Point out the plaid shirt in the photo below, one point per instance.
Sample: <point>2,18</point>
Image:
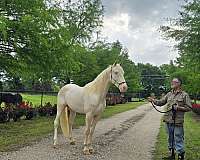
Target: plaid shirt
<point>180,98</point>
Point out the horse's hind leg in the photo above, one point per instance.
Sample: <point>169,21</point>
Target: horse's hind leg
<point>60,108</point>
<point>88,120</point>
<point>92,128</point>
<point>72,116</point>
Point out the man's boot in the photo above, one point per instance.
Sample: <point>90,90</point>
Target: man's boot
<point>169,157</point>
<point>181,156</point>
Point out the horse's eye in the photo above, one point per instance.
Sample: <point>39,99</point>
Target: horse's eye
<point>116,72</point>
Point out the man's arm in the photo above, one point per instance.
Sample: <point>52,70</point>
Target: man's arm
<point>187,107</point>
<point>160,102</point>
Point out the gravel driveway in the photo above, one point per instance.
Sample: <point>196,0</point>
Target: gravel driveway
<point>130,135</point>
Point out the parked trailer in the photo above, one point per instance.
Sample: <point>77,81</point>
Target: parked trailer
<point>115,98</point>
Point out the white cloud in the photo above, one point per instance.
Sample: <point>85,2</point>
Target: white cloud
<point>117,23</point>
<point>136,23</point>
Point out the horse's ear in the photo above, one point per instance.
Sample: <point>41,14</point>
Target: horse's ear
<point>114,64</point>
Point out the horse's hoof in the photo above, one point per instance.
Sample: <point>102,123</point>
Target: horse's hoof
<point>55,146</point>
<point>86,152</point>
<point>91,150</point>
<point>72,143</point>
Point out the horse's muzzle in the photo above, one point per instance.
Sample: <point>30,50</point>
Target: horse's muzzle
<point>123,87</point>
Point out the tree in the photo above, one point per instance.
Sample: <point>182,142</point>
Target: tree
<point>38,38</point>
<point>89,68</point>
<point>109,53</point>
<point>152,78</point>
<point>185,31</point>
<point>189,79</point>
<point>169,70</point>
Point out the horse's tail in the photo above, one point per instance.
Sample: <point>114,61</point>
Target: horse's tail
<point>64,122</point>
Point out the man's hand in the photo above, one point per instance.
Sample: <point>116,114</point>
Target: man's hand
<point>150,99</point>
<point>175,107</point>
<point>178,108</point>
<point>182,109</point>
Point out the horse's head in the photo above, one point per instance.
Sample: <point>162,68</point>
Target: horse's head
<point>117,77</point>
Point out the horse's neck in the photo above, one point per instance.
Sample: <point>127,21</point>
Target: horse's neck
<point>101,84</point>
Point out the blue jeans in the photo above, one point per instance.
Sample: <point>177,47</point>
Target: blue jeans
<point>178,137</point>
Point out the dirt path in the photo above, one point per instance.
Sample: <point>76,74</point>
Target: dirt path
<point>128,135</point>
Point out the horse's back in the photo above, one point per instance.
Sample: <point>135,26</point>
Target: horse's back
<point>72,96</point>
<point>68,88</point>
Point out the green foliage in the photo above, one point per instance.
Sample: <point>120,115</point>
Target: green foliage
<point>45,43</point>
<point>107,54</point>
<point>185,31</point>
<point>88,68</point>
<point>173,71</point>
<point>190,79</point>
<point>152,77</point>
<point>38,37</point>
<point>132,76</point>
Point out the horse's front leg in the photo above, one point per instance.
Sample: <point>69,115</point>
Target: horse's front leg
<point>92,128</point>
<point>88,121</point>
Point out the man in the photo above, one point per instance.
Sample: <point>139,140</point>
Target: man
<point>181,102</point>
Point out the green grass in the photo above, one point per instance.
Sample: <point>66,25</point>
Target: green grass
<point>192,139</point>
<point>197,101</point>
<point>23,132</point>
<point>16,134</point>
<point>36,99</point>
<point>112,110</point>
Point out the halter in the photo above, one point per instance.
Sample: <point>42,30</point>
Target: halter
<point>118,83</point>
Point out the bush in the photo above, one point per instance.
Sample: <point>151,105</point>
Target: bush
<point>196,108</point>
<point>4,116</point>
<point>26,110</point>
<point>47,110</point>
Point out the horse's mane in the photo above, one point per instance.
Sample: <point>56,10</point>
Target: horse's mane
<point>99,81</point>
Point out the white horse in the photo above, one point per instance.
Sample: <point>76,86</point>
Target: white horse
<point>89,100</point>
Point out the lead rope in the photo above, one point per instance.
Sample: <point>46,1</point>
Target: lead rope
<point>155,107</point>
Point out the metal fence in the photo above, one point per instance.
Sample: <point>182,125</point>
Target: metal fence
<point>28,92</point>
<point>112,98</point>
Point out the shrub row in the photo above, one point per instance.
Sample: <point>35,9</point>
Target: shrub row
<point>24,110</point>
<point>196,108</point>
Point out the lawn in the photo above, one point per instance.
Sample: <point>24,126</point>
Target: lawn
<point>36,99</point>
<point>16,134</point>
<point>192,139</point>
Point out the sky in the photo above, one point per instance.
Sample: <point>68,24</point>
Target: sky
<point>135,24</point>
